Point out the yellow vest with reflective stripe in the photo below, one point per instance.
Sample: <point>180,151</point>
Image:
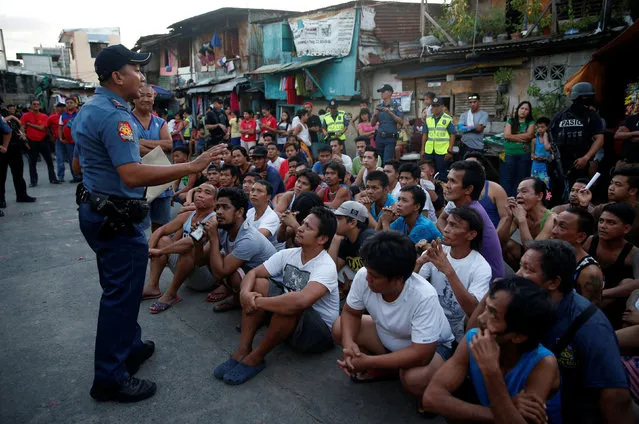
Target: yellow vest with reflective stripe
<point>438,136</point>
<point>335,125</point>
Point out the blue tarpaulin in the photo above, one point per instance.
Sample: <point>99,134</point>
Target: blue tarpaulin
<point>161,92</point>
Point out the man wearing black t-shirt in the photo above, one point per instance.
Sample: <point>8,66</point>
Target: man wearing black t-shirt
<point>217,123</point>
<point>578,132</point>
<point>628,132</point>
<point>352,231</point>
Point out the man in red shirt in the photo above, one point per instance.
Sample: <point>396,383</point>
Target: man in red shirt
<point>268,123</point>
<point>248,127</point>
<point>35,124</point>
<point>66,140</point>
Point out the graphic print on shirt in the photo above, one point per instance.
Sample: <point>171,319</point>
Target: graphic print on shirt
<point>452,309</point>
<point>294,278</point>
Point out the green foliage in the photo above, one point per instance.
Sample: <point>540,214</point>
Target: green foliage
<point>549,103</point>
<point>494,23</point>
<point>503,75</point>
<point>457,21</point>
<point>587,23</point>
<point>529,8</point>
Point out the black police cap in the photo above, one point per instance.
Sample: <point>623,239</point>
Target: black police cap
<point>115,57</point>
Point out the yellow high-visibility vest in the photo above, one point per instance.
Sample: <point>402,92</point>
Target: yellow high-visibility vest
<point>438,136</point>
<point>335,125</point>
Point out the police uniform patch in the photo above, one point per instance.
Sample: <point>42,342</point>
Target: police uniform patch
<point>125,131</point>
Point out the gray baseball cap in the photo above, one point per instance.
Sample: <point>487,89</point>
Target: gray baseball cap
<point>353,210</point>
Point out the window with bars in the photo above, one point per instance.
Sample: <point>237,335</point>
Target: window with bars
<point>540,73</point>
<point>557,72</point>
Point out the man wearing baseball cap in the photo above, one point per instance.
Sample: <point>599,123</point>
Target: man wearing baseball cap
<point>111,207</point>
<point>389,115</point>
<point>438,137</point>
<point>352,231</point>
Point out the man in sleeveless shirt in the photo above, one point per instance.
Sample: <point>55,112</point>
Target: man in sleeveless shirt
<point>618,259</point>
<point>175,238</point>
<point>517,316</point>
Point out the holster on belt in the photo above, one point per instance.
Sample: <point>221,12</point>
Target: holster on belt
<point>120,213</point>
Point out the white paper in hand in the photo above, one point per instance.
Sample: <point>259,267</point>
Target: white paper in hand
<point>156,157</point>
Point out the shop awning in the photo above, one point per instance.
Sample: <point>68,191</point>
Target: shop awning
<point>290,67</point>
<point>455,68</point>
<point>209,86</point>
<point>161,93</point>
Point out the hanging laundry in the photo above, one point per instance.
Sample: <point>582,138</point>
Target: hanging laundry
<point>230,66</point>
<point>300,87</point>
<point>308,83</point>
<point>235,101</point>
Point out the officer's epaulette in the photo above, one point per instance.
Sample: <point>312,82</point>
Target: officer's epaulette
<point>119,105</point>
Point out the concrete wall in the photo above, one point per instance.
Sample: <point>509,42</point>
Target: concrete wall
<point>82,62</point>
<point>40,64</point>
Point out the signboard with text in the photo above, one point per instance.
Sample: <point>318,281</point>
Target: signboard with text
<point>324,34</point>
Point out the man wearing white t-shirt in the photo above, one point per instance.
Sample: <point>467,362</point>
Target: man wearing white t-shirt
<point>405,330</point>
<point>337,147</point>
<point>391,169</point>
<point>261,216</point>
<point>273,156</point>
<point>459,273</point>
<point>409,174</point>
<point>297,289</point>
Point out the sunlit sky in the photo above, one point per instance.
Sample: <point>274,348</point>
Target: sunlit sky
<point>40,22</point>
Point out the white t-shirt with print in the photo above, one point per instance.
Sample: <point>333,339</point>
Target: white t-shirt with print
<point>268,221</point>
<point>286,266</point>
<point>414,317</point>
<point>473,272</point>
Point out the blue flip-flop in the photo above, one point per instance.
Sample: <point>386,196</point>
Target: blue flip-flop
<point>224,367</point>
<point>242,373</point>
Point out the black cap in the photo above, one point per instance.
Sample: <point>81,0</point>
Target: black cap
<point>437,102</point>
<point>259,152</point>
<point>115,57</point>
<point>332,104</point>
<point>385,87</point>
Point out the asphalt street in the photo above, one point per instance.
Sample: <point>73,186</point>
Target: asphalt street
<point>49,306</point>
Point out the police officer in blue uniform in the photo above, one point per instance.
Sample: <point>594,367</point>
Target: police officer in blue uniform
<point>389,115</point>
<point>111,210</point>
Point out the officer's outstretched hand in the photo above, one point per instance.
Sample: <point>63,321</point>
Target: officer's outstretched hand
<point>204,160</point>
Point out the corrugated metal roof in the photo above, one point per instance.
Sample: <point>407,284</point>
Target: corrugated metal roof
<point>227,86</point>
<point>455,68</point>
<point>287,67</point>
<point>394,23</point>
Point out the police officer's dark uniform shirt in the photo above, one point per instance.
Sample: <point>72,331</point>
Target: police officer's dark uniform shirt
<point>630,149</point>
<point>387,124</point>
<point>106,137</point>
<point>573,130</point>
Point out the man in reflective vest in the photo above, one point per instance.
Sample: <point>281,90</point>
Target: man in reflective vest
<point>334,123</point>
<point>439,137</point>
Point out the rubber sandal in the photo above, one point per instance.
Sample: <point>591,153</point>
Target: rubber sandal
<point>242,373</point>
<point>152,296</point>
<point>224,367</point>
<point>218,295</point>
<point>158,307</point>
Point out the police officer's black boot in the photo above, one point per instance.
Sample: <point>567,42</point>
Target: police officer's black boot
<point>131,390</point>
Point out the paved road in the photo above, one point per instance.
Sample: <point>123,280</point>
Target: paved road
<point>49,304</point>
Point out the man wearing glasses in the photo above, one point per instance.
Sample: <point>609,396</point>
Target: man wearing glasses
<point>472,124</point>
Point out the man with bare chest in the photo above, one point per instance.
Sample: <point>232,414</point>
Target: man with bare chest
<point>618,259</point>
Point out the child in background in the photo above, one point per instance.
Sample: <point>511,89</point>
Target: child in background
<point>542,153</point>
<point>234,128</point>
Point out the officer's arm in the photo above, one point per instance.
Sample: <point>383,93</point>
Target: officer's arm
<point>135,174</point>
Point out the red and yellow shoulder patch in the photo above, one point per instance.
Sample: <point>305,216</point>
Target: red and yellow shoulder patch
<point>125,131</point>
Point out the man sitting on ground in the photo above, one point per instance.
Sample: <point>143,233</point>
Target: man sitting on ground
<point>261,216</point>
<point>409,174</point>
<point>391,169</point>
<point>324,157</point>
<point>273,156</point>
<point>352,231</point>
<point>404,330</point>
<point>297,288</point>
<point>369,160</point>
<point>457,270</point>
<point>176,238</point>
<point>406,216</point>
<point>337,148</point>
<point>466,180</point>
<point>266,172</point>
<point>336,192</point>
<point>573,199</point>
<point>574,226</point>
<point>507,343</point>
<point>229,176</point>
<point>360,145</point>
<point>249,180</point>
<point>306,181</point>
<point>618,258</point>
<point>376,196</point>
<point>235,247</point>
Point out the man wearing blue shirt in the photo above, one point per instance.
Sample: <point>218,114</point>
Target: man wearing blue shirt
<point>376,197</point>
<point>266,172</point>
<point>410,220</point>
<point>389,115</point>
<point>112,206</point>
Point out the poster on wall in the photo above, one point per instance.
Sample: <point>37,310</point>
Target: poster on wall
<point>324,34</point>
<point>405,98</point>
